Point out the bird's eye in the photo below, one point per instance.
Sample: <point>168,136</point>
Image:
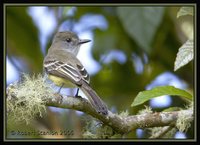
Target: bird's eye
<point>68,40</point>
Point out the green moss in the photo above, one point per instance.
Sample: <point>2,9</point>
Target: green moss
<point>26,98</point>
<point>92,130</point>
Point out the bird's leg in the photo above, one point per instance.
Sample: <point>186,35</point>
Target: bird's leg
<point>77,92</point>
<point>59,97</point>
<point>60,88</point>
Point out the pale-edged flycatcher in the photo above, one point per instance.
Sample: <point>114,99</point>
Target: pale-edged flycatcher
<point>65,70</point>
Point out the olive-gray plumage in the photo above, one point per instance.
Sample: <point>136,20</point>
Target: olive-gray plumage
<point>64,69</point>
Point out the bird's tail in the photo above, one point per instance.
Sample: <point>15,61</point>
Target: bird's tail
<point>94,99</point>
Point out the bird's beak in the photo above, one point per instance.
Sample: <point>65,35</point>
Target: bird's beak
<point>81,41</point>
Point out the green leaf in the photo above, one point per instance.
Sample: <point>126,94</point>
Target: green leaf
<point>170,109</point>
<point>113,38</point>
<point>185,54</point>
<point>22,37</point>
<point>185,11</point>
<point>141,23</point>
<point>159,91</point>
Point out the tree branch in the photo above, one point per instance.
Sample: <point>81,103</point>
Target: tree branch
<point>161,132</point>
<point>31,95</point>
<point>118,123</point>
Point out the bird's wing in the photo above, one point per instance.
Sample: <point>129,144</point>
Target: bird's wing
<point>66,70</point>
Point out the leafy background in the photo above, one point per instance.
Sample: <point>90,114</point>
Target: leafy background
<point>147,39</point>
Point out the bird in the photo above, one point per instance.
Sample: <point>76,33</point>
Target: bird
<point>64,69</point>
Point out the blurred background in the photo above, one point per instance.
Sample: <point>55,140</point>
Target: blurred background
<point>132,49</point>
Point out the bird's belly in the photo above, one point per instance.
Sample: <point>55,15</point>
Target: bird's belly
<point>60,81</point>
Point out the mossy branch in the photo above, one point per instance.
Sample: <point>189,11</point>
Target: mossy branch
<point>118,123</point>
<point>33,94</point>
